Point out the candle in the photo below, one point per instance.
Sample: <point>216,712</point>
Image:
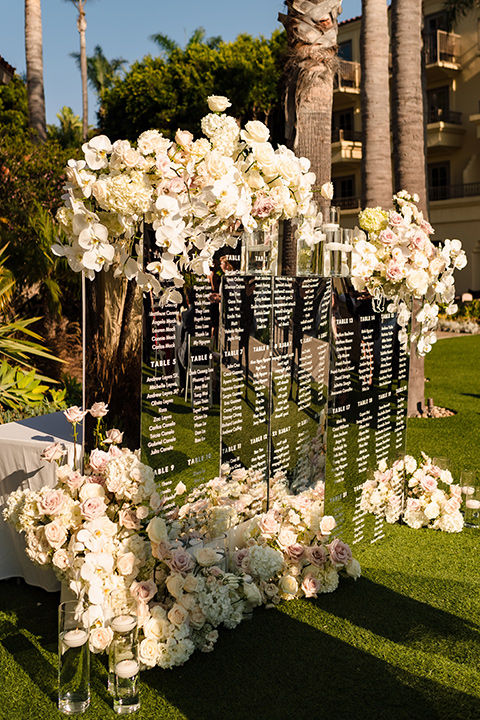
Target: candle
<point>472,504</point>
<point>123,623</point>
<point>75,638</point>
<point>127,668</point>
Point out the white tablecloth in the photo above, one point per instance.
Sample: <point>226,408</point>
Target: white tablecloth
<point>21,444</point>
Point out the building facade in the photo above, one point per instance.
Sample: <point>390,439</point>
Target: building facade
<point>452,114</point>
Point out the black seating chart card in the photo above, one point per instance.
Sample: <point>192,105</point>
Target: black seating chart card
<point>367,406</point>
<point>181,388</point>
<point>299,379</point>
<point>245,342</point>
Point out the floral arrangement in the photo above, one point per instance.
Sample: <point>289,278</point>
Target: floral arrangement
<point>399,262</point>
<point>432,499</point>
<point>197,194</point>
<point>105,529</point>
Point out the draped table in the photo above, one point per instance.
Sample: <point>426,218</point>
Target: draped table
<point>21,444</point>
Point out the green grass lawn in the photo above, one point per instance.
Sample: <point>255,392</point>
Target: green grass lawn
<point>402,642</point>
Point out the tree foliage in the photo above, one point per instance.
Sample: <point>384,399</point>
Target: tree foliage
<point>170,91</point>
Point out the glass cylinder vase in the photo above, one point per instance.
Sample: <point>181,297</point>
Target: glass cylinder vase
<point>73,659</point>
<point>260,251</point>
<point>123,659</point>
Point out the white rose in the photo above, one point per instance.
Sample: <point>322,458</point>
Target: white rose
<point>148,652</point>
<point>177,615</point>
<point>353,568</point>
<point>100,639</point>
<point>175,584</point>
<point>218,103</point>
<point>61,559</point>
<point>157,530</point>
<point>255,132</point>
<point>55,534</point>
<point>207,556</point>
<point>252,593</point>
<point>266,158</point>
<point>126,564</point>
<point>91,490</point>
<point>288,585</point>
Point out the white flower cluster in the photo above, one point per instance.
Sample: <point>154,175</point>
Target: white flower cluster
<point>84,528</point>
<point>398,261</point>
<point>383,496</point>
<point>428,504</point>
<point>102,531</point>
<point>287,547</point>
<point>197,194</point>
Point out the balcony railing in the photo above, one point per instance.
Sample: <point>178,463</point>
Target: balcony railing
<point>339,135</point>
<point>447,116</point>
<point>347,76</point>
<point>347,203</point>
<point>446,192</point>
<point>442,47</point>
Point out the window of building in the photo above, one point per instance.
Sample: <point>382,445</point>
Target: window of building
<point>344,187</point>
<point>342,125</point>
<point>439,181</point>
<point>435,21</point>
<point>345,50</point>
<point>438,104</point>
<point>344,192</point>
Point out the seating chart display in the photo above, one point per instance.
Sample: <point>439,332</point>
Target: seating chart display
<point>367,406</point>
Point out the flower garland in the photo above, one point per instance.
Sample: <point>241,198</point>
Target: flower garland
<point>399,262</point>
<point>432,498</point>
<point>198,195</point>
<point>104,530</point>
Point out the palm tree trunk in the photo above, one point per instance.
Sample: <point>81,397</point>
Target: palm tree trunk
<point>408,125</point>
<point>82,26</point>
<point>312,48</point>
<point>375,104</point>
<point>34,59</point>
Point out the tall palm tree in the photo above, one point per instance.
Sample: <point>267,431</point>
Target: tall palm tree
<point>100,71</point>
<point>408,126</point>
<point>311,56</point>
<point>375,105</point>
<point>34,59</point>
<point>82,26</point>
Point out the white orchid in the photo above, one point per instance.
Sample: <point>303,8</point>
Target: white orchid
<point>96,151</point>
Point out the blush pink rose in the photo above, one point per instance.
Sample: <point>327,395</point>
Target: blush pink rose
<point>263,207</point>
<point>453,504</point>
<point>296,552</point>
<point>240,556</point>
<point>413,504</point>
<point>317,555</point>
<point>128,518</point>
<point>93,508</point>
<point>180,561</point>
<point>53,452</point>
<point>98,410</point>
<point>388,237</point>
<point>74,414</point>
<point>268,524</point>
<point>397,220</point>
<point>144,590</point>
<point>428,483</point>
<point>52,503</point>
<point>311,586</point>
<point>340,553</point>
<point>98,460</point>
<point>327,524</point>
<point>74,481</point>
<point>394,271</point>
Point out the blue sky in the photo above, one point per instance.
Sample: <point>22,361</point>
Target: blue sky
<point>122,28</point>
